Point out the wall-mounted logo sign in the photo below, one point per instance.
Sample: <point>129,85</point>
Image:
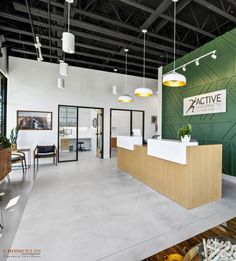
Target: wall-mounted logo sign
<point>212,102</point>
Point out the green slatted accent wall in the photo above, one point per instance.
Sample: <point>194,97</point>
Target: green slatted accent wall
<point>211,75</point>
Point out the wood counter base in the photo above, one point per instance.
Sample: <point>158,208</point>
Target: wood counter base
<point>194,184</point>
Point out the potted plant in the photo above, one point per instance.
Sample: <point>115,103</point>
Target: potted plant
<point>185,133</point>
<point>4,142</point>
<point>13,138</point>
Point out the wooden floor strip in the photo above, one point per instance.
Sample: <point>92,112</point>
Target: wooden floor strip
<point>227,229</point>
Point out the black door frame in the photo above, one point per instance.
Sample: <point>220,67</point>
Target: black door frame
<point>131,121</point>
<point>77,123</point>
<point>4,79</point>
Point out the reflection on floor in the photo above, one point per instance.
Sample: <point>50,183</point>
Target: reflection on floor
<point>89,210</point>
<point>114,152</point>
<point>71,155</point>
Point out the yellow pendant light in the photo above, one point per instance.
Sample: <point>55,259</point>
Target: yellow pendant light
<point>143,91</point>
<point>174,79</point>
<point>125,97</point>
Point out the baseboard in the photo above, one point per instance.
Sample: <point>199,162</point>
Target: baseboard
<point>229,178</point>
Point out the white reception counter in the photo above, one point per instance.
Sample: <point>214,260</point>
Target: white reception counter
<point>128,142</point>
<point>172,150</point>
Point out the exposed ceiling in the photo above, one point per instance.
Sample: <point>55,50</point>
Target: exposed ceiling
<point>103,28</point>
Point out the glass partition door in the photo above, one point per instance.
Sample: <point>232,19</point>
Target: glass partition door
<point>68,133</point>
<point>3,103</point>
<point>125,122</point>
<point>99,134</point>
<point>138,121</point>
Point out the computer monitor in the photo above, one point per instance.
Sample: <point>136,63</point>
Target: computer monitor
<point>137,132</point>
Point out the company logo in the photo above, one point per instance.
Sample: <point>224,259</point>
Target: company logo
<point>22,253</point>
<point>211,99</point>
<point>192,105</point>
<point>213,102</point>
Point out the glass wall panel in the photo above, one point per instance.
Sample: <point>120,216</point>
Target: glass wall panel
<point>68,133</point>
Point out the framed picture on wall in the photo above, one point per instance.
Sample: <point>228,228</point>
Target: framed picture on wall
<point>34,120</point>
<point>153,119</point>
<point>95,123</point>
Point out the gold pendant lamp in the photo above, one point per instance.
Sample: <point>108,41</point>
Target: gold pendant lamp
<point>125,97</point>
<point>143,91</point>
<point>174,79</point>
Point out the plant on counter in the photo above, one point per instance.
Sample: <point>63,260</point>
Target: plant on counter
<point>14,137</point>
<point>4,142</point>
<point>185,133</point>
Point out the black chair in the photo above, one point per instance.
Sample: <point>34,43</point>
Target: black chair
<point>45,152</point>
<point>81,148</point>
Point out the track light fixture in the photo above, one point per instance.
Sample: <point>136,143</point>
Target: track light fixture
<point>214,56</point>
<point>184,66</point>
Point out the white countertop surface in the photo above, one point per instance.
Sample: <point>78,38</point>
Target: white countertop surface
<point>172,150</point>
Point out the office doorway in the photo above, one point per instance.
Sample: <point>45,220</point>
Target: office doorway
<point>80,133</point>
<point>123,122</point>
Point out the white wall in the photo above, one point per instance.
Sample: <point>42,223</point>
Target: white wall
<point>33,86</point>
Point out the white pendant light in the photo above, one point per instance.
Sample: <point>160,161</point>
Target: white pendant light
<point>114,87</point>
<point>61,83</point>
<point>68,42</point>
<point>63,68</point>
<point>114,90</point>
<point>143,91</point>
<point>174,79</point>
<point>68,39</point>
<point>125,97</point>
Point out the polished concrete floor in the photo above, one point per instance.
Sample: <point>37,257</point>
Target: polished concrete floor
<point>71,155</point>
<point>89,210</point>
<point>17,193</point>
